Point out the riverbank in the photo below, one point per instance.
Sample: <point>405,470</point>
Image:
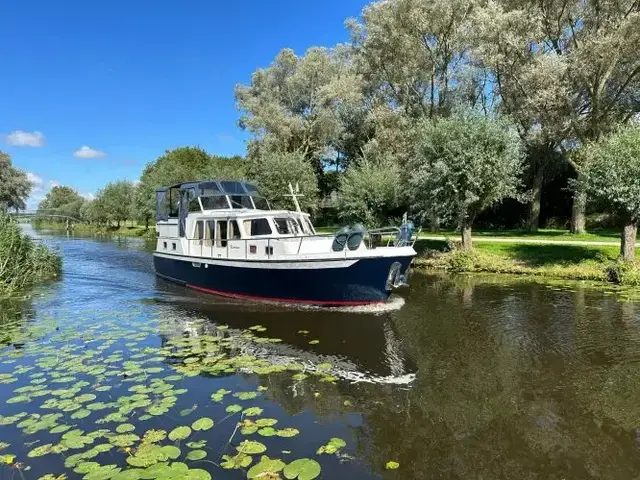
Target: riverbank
<point>23,261</point>
<point>552,260</point>
<point>100,230</point>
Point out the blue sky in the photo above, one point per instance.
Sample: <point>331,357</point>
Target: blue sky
<point>92,91</point>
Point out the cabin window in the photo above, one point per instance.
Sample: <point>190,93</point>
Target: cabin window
<point>257,226</point>
<point>214,203</point>
<point>199,230</point>
<point>221,233</point>
<point>309,226</point>
<point>286,226</point>
<point>241,201</point>
<point>174,245</point>
<point>164,244</point>
<point>261,203</point>
<point>194,205</point>
<point>234,231</point>
<point>209,232</point>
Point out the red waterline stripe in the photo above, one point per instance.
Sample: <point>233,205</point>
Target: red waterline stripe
<point>282,300</point>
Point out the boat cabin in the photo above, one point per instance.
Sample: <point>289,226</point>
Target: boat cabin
<point>230,220</point>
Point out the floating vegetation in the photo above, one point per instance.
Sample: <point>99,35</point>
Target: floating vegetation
<point>100,398</point>
<point>333,446</point>
<point>391,465</point>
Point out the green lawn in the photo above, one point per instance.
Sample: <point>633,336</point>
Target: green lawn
<point>612,236</point>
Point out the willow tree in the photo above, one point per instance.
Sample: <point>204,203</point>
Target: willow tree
<point>14,185</point>
<point>369,190</point>
<point>273,171</point>
<point>413,52</point>
<point>612,174</point>
<point>302,104</point>
<point>566,71</point>
<point>463,166</point>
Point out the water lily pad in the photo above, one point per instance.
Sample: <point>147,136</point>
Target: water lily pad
<point>202,424</point>
<point>154,436</point>
<point>302,469</point>
<point>267,432</point>
<point>196,455</point>
<point>197,474</point>
<point>40,451</point>
<point>391,465</point>
<point>245,395</point>
<point>266,422</point>
<point>233,409</point>
<point>253,411</point>
<point>266,466</point>
<point>179,433</point>
<point>251,448</point>
<point>288,432</point>
<point>124,440</point>
<point>240,460</point>
<point>333,446</point>
<point>197,445</point>
<point>125,428</point>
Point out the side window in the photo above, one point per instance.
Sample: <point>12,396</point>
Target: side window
<point>221,233</point>
<point>234,231</point>
<point>257,226</point>
<point>194,205</point>
<point>199,231</point>
<point>209,231</point>
<point>282,226</point>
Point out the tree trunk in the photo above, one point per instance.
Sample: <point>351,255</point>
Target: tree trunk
<point>579,208</point>
<point>146,223</point>
<point>466,235</point>
<point>628,241</point>
<point>534,208</point>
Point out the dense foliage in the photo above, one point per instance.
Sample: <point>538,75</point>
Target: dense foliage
<point>540,79</point>
<point>464,165</point>
<point>14,185</point>
<point>273,172</point>
<point>23,261</point>
<point>613,177</point>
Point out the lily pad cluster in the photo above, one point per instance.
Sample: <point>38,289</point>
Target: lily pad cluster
<point>89,388</point>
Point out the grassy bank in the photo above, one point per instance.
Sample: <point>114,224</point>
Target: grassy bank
<point>101,230</point>
<point>588,262</point>
<point>23,261</point>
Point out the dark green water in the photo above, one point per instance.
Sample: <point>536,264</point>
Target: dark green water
<point>462,378</point>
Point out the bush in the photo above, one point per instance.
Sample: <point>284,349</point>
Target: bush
<point>23,261</point>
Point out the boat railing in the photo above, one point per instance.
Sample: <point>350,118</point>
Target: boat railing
<point>263,248</point>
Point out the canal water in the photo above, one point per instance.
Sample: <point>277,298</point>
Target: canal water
<point>110,372</point>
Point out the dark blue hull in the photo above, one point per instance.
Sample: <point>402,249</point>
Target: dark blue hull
<point>331,283</point>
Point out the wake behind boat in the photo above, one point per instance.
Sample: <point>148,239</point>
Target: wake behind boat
<point>221,237</point>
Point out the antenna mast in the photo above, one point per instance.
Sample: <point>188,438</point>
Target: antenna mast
<point>294,195</point>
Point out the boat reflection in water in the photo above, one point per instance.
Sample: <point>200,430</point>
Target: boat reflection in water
<point>366,350</point>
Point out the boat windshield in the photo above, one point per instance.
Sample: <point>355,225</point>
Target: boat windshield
<point>287,226</point>
<point>241,201</point>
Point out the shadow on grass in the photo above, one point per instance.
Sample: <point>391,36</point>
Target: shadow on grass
<point>533,255</point>
<point>541,255</point>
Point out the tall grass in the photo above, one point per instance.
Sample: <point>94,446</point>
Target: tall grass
<point>23,261</point>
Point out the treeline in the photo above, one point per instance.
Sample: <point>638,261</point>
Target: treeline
<point>447,107</point>
<point>444,108</point>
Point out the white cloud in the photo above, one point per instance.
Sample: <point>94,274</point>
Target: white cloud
<point>35,180</point>
<point>54,183</point>
<point>88,196</point>
<point>20,138</point>
<point>88,152</point>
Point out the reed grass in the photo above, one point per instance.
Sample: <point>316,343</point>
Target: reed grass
<point>23,261</point>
